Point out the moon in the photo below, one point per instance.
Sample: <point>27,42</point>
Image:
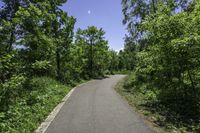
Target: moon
<point>89,12</point>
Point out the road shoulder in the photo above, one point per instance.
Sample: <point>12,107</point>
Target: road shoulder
<point>45,124</point>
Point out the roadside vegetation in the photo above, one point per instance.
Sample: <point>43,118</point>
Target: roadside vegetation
<point>162,116</point>
<point>33,103</point>
<point>164,82</point>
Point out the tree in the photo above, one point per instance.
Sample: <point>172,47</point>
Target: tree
<point>95,48</point>
<point>34,36</point>
<point>114,61</point>
<point>136,11</point>
<point>169,65</point>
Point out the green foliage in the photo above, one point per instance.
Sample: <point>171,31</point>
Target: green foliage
<point>40,67</point>
<point>147,103</point>
<point>95,50</point>
<point>114,62</point>
<point>33,105</point>
<point>10,90</point>
<point>127,56</point>
<point>167,67</point>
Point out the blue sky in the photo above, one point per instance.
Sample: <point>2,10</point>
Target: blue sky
<point>106,14</point>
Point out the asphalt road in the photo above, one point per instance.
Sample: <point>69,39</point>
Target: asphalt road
<point>96,108</point>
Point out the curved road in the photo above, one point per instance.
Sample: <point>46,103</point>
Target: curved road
<point>96,108</point>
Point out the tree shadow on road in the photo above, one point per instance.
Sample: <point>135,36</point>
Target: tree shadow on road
<point>101,77</point>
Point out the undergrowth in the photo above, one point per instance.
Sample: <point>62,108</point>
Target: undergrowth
<point>163,115</point>
<point>38,99</point>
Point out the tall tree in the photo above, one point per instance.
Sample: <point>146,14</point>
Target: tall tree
<point>97,47</point>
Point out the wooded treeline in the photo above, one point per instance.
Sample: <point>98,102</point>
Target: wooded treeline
<point>163,43</point>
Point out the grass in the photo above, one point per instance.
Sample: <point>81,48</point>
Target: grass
<point>39,98</point>
<point>161,116</point>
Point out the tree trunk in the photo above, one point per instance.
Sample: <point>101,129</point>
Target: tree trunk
<point>192,83</point>
<point>11,40</point>
<point>154,6</point>
<point>91,59</point>
<point>58,63</point>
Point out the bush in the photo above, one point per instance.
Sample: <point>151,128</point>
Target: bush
<point>30,108</point>
<point>10,90</point>
<point>41,67</point>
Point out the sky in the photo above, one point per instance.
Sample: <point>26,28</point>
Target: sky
<point>106,14</point>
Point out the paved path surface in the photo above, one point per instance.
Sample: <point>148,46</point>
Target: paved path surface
<point>96,108</point>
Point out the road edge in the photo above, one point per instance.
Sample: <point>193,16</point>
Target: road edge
<point>133,109</point>
<point>46,123</point>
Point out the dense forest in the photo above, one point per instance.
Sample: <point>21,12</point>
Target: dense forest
<point>42,58</point>
<point>162,50</point>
